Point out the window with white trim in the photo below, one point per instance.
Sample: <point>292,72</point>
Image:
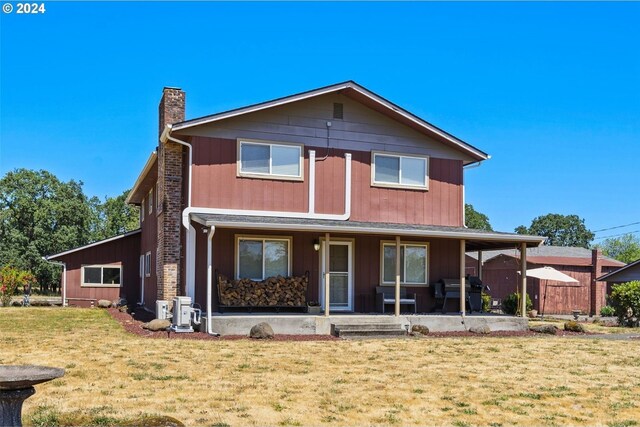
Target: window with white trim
<point>413,263</point>
<point>102,275</point>
<point>142,211</point>
<point>147,264</point>
<point>150,199</point>
<point>395,170</point>
<point>260,258</point>
<point>270,160</point>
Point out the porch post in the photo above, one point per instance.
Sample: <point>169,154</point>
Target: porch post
<point>326,274</point>
<point>480,265</point>
<point>463,297</point>
<point>523,279</point>
<point>397,304</point>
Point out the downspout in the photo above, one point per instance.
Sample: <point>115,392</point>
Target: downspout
<point>212,230</point>
<point>64,278</point>
<point>191,231</point>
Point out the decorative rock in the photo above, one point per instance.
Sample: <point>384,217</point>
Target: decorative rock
<point>104,303</point>
<point>573,326</point>
<point>481,329</point>
<point>420,329</point>
<point>261,331</point>
<point>39,303</point>
<point>119,302</point>
<point>123,309</point>
<point>157,325</point>
<point>545,329</point>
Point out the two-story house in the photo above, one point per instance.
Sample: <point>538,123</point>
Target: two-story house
<point>336,185</point>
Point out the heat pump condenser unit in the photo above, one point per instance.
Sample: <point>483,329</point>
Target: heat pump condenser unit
<point>184,315</point>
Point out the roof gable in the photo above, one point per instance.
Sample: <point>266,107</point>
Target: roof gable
<point>358,93</point>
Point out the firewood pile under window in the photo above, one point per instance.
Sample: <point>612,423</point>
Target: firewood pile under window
<point>272,292</point>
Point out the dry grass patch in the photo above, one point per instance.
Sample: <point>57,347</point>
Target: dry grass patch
<point>112,376</point>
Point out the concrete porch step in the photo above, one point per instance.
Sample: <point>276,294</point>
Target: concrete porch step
<point>367,330</point>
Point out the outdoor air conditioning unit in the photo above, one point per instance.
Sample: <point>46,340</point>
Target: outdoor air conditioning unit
<point>162,309</point>
<point>184,314</point>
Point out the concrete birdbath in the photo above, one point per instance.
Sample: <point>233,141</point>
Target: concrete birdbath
<point>16,385</point>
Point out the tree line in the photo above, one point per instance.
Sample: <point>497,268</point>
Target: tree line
<point>566,230</point>
<point>41,215</point>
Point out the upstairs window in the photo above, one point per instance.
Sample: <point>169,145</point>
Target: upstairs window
<point>270,160</point>
<point>150,201</point>
<point>142,210</point>
<point>260,258</point>
<point>101,275</point>
<point>394,170</point>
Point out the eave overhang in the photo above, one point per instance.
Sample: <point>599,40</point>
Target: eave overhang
<point>145,181</point>
<point>90,245</point>
<point>358,93</point>
<point>475,239</point>
<point>611,277</point>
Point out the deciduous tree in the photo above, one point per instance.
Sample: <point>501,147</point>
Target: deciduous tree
<point>475,219</point>
<point>625,248</point>
<point>40,215</point>
<point>560,230</point>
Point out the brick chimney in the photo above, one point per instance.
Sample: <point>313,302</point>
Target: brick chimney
<point>169,192</point>
<point>598,290</point>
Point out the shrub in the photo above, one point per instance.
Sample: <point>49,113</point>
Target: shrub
<point>486,302</point>
<point>607,311</point>
<point>625,300</point>
<point>11,279</point>
<point>511,304</point>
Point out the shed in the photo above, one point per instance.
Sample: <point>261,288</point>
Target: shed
<point>500,271</point>
<point>108,269</point>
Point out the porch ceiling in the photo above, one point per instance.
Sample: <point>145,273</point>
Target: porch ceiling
<point>475,239</point>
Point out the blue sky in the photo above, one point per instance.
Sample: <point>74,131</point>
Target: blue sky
<point>550,90</point>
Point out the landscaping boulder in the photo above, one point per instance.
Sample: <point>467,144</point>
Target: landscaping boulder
<point>104,303</point>
<point>261,331</point>
<point>419,329</point>
<point>573,326</point>
<point>545,329</point>
<point>157,325</point>
<point>481,329</point>
<point>119,302</point>
<point>39,303</point>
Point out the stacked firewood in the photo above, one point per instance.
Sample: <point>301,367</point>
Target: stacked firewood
<point>272,292</point>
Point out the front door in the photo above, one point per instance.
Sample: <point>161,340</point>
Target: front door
<point>340,275</point>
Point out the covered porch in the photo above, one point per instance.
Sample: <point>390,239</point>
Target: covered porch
<point>361,256</point>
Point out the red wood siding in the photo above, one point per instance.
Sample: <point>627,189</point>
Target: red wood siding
<point>216,185</point>
<point>123,251</point>
<point>501,274</point>
<point>443,263</point>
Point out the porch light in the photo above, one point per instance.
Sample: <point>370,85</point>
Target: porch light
<point>316,245</point>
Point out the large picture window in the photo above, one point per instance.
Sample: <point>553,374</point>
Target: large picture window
<point>413,263</point>
<point>270,160</point>
<point>394,170</point>
<point>102,275</point>
<point>259,258</point>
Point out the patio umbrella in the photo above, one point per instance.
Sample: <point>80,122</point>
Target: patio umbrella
<point>549,273</point>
